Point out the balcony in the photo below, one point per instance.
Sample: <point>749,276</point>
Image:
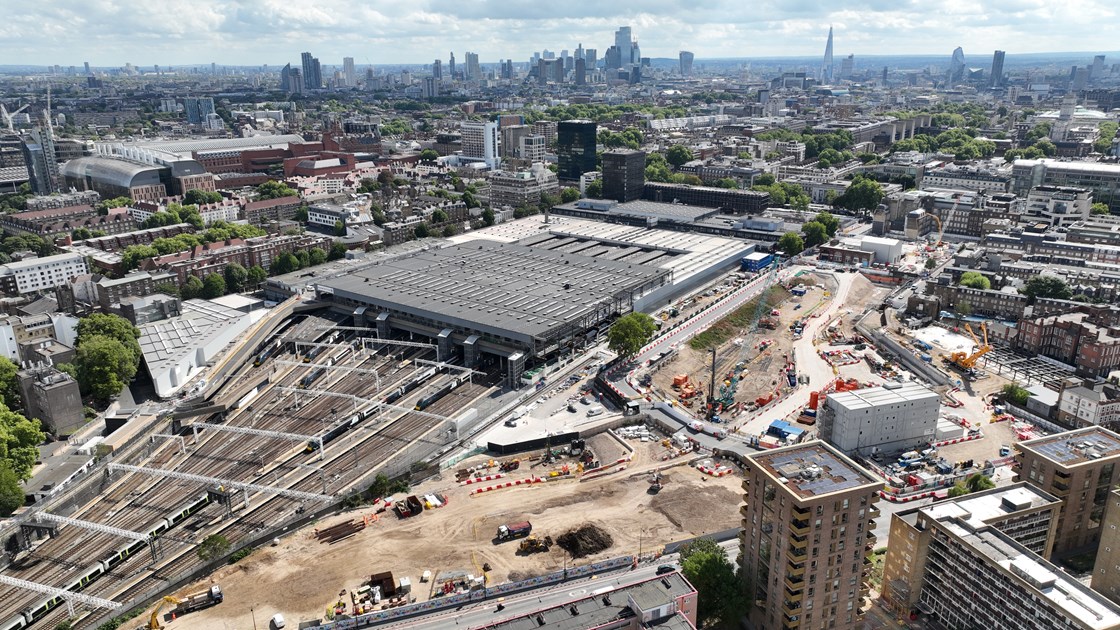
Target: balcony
<point>791,623</point>
<point>1059,490</point>
<point>799,541</point>
<point>800,528</point>
<point>791,609</point>
<point>873,512</point>
<point>795,570</point>
<point>794,596</point>
<point>794,583</point>
<point>797,555</point>
<point>802,512</point>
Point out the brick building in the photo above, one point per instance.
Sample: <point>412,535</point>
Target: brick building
<point>1079,339</point>
<point>213,257</point>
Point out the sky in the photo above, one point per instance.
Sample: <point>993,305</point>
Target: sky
<point>109,33</point>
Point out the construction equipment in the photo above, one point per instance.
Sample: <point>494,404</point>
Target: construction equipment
<point>965,361</point>
<point>656,482</point>
<point>153,621</point>
<point>514,530</point>
<point>535,544</point>
<point>197,601</point>
<point>9,116</point>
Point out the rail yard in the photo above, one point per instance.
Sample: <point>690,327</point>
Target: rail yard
<point>371,414</point>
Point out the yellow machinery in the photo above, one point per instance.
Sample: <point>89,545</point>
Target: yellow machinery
<point>967,361</point>
<point>153,622</point>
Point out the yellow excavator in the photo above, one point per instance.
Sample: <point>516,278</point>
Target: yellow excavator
<point>153,622</point>
<point>966,361</point>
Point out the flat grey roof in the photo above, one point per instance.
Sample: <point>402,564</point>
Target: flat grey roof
<point>492,286</point>
<point>595,611</point>
<point>814,469</point>
<point>165,343</point>
<point>878,396</point>
<point>1075,447</point>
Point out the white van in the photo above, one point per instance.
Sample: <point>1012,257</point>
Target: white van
<point>277,621</point>
<point>595,411</point>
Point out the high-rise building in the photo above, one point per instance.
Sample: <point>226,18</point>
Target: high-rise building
<point>437,70</point>
<point>474,72</point>
<point>550,71</point>
<point>591,56</point>
<point>429,87</point>
<point>580,73</point>
<point>480,142</point>
<point>575,148</point>
<point>974,562</point>
<point>996,80</point>
<point>956,67</point>
<point>511,140</point>
<point>625,51</point>
<point>451,66</point>
<point>532,149</point>
<point>42,162</point>
<point>197,108</point>
<point>1078,467</point>
<point>291,80</point>
<point>686,63</point>
<point>827,66</point>
<point>348,72</point>
<point>624,174</point>
<point>807,533</point>
<point>1096,71</point>
<point>847,67</point>
<point>507,69</point>
<point>312,72</point>
<point>1080,78</point>
<point>87,67</point>
<point>547,129</point>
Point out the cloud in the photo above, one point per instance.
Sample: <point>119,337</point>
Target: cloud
<point>252,32</point>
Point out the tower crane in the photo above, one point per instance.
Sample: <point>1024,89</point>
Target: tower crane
<point>9,116</point>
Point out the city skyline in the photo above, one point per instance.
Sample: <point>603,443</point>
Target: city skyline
<point>273,33</point>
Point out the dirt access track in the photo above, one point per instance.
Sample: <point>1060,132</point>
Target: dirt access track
<point>301,577</point>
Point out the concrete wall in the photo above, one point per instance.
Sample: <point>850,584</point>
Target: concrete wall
<point>888,427</point>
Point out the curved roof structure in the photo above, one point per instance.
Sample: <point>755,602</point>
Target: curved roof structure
<point>112,171</point>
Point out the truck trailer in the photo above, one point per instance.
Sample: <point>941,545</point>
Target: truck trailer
<point>202,599</point>
<point>510,531</point>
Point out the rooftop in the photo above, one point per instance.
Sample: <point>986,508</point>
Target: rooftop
<point>992,505</point>
<point>1076,447</point>
<point>492,286</point>
<point>601,608</point>
<point>878,396</point>
<point>165,343</point>
<point>814,469</point>
<point>186,147</point>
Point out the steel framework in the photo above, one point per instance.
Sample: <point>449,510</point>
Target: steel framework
<point>245,488</point>
<point>279,435</point>
<point>69,596</point>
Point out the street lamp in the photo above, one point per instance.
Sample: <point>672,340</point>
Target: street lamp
<point>254,614</point>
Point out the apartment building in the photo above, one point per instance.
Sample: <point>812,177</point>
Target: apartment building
<point>1101,178</point>
<point>40,274</point>
<point>213,257</point>
<point>1078,467</point>
<point>522,188</point>
<point>1084,403</point>
<point>807,521</point>
<point>973,563</point>
<point>965,178</point>
<point>1106,569</point>
<point>1057,206</point>
<point>1077,339</point>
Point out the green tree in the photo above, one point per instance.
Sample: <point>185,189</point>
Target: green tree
<point>213,547</point>
<point>104,206</point>
<point>168,288</point>
<point>11,492</point>
<point>113,327</point>
<point>930,263</point>
<point>257,275</point>
<point>727,182</point>
<point>338,251</point>
<point>10,395</point>
<point>81,234</point>
<point>568,195</point>
<point>958,490</point>
<point>548,201</point>
<point>1045,286</point>
<point>864,194</point>
<point>20,438</point>
<point>449,230</point>
<point>594,189</point>
<point>214,286</point>
<point>440,216</point>
<point>1107,131</point>
<point>195,196</point>
<point>192,288</point>
<point>133,255</point>
<point>975,280</point>
<point>765,179</point>
<point>469,199</point>
<point>830,223</point>
<point>104,367</point>
<point>678,154</point>
<point>429,155</point>
<point>629,333</point>
<point>1099,208</point>
<point>316,256</point>
<point>979,482</point>
<point>235,275</point>
<point>284,263</point>
<point>815,233</point>
<point>422,231</point>
<point>791,244</point>
<point>1015,394</point>
<point>275,190</point>
<point>721,597</point>
<point>487,217</point>
<point>304,259</point>
<point>339,228</point>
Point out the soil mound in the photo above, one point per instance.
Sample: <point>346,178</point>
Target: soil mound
<point>585,541</point>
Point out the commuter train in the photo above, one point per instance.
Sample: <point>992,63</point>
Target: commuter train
<point>39,609</point>
<point>428,400</point>
<point>409,387</point>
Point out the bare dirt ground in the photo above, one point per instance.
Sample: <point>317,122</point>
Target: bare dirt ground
<point>301,577</point>
<point>762,366</point>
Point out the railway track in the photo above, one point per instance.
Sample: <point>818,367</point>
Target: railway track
<point>221,455</point>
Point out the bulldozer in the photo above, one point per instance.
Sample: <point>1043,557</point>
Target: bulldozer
<point>535,544</point>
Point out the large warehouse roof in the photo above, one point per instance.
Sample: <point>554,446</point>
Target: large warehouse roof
<point>186,147</point>
<point>501,288</point>
<point>118,172</point>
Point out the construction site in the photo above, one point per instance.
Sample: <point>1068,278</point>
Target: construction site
<point>470,537</point>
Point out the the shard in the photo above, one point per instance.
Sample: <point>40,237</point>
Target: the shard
<point>827,66</point>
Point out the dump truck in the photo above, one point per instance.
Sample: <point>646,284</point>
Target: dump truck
<point>533,544</point>
<point>197,601</point>
<point>510,531</point>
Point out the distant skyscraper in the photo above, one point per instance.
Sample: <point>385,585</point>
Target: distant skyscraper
<point>847,67</point>
<point>997,69</point>
<point>198,108</point>
<point>956,67</point>
<point>451,66</point>
<point>42,163</point>
<point>1096,71</point>
<point>473,71</point>
<point>1080,78</point>
<point>581,71</point>
<point>213,68</point>
<point>437,70</point>
<point>312,72</point>
<point>827,67</point>
<point>686,63</point>
<point>87,67</point>
<point>625,51</point>
<point>579,51</point>
<point>575,148</point>
<point>348,72</point>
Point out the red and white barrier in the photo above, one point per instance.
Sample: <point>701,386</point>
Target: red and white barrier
<point>474,480</point>
<point>958,440</point>
<point>508,484</point>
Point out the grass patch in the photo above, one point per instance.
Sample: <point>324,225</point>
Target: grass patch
<point>876,577</point>
<point>737,321</point>
<point>240,554</point>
